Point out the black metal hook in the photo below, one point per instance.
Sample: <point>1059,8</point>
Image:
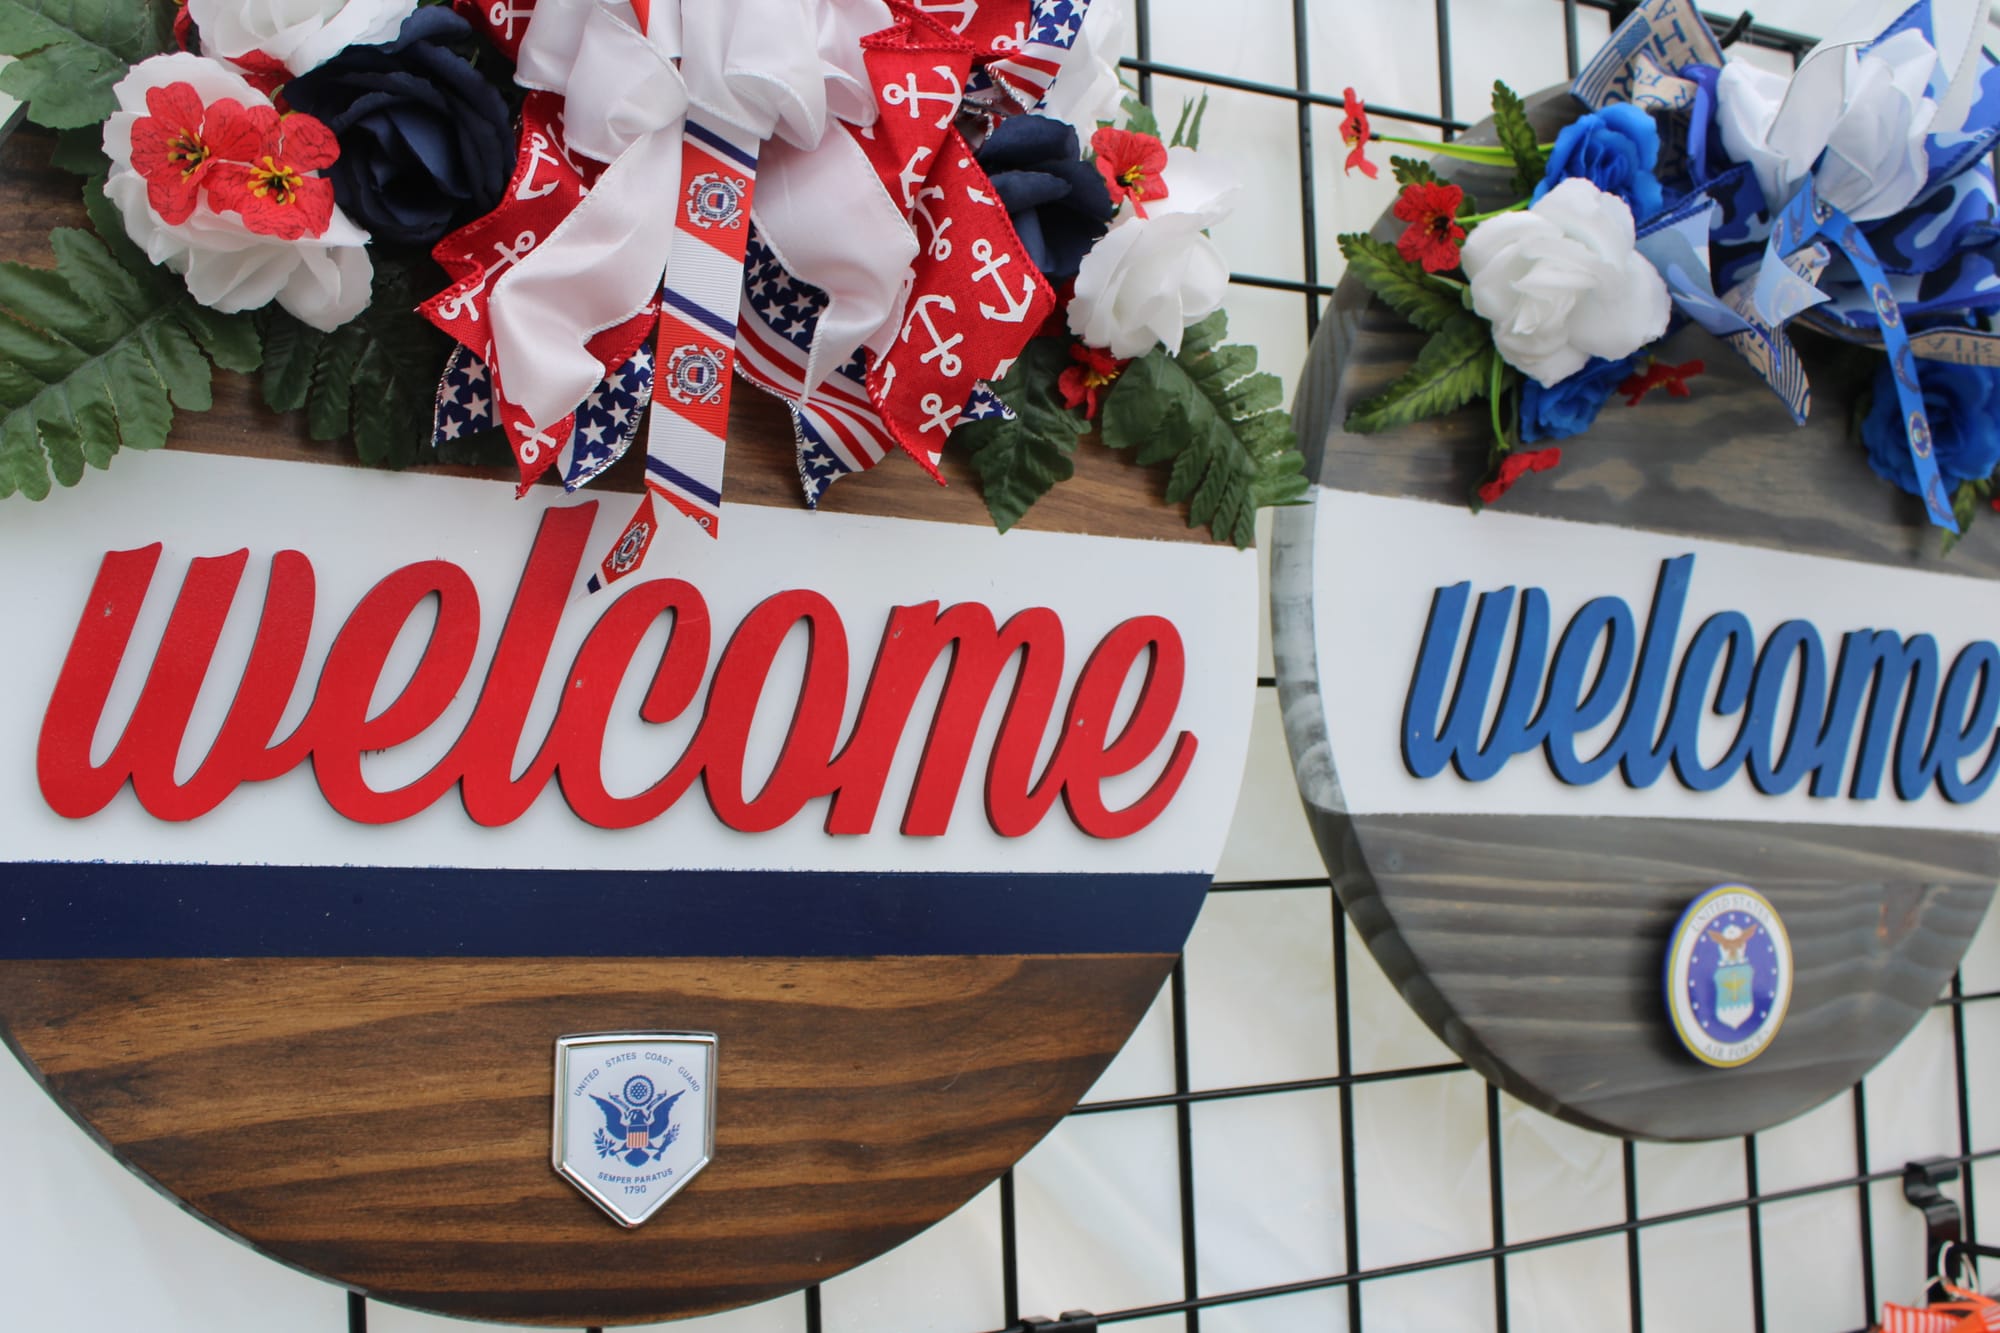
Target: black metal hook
<point>1735,31</point>
<point>1072,1321</point>
<point>1943,1224</point>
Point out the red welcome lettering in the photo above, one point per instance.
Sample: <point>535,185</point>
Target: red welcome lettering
<point>815,761</point>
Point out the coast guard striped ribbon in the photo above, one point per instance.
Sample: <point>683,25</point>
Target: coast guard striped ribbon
<point>696,349</point>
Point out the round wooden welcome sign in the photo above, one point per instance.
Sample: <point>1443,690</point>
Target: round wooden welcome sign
<point>1660,790</point>
<point>813,877</point>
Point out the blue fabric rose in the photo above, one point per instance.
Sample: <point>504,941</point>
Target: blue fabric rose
<point>1571,406</point>
<point>1963,405</point>
<point>1057,200</point>
<point>426,143</point>
<point>1614,149</point>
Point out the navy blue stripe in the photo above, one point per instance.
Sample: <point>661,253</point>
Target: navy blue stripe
<point>715,143</point>
<point>682,480</point>
<point>725,327</point>
<point>53,910</point>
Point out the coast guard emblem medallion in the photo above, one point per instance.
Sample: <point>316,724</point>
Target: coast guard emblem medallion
<point>635,1117</point>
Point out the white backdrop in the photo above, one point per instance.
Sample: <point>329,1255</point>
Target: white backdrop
<point>85,1246</point>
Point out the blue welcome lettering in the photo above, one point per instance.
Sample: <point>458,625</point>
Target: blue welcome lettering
<point>1889,702</point>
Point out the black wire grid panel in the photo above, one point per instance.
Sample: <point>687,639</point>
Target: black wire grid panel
<point>1889,1238</point>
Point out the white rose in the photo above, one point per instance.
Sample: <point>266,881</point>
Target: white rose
<point>1150,277</point>
<point>1562,283</point>
<point>324,280</point>
<point>300,34</point>
<point>1865,129</point>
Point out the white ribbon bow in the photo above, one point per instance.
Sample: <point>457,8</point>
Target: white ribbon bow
<point>783,70</point>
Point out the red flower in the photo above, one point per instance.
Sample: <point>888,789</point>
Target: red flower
<point>180,143</point>
<point>269,186</point>
<point>267,74</point>
<point>1433,236</point>
<point>1354,133</point>
<point>1131,164</point>
<point>1515,466</point>
<point>1086,382</point>
<point>1657,375</point>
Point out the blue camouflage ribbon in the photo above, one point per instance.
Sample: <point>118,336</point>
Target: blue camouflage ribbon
<point>1808,218</point>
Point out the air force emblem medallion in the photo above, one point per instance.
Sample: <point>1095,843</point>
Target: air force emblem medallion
<point>1729,976</point>
<point>635,1117</point>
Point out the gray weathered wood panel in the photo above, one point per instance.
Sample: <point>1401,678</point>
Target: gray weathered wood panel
<point>1535,946</point>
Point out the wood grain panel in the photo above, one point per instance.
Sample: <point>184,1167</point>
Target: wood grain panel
<point>387,1121</point>
<point>1535,946</point>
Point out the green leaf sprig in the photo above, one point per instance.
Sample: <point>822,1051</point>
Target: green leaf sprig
<point>1022,459</point>
<point>1517,136</point>
<point>98,352</point>
<point>1220,422</point>
<point>393,353</point>
<point>1208,412</point>
<point>73,51</point>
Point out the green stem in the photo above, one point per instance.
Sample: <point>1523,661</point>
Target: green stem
<point>1474,219</point>
<point>1494,392</point>
<point>1490,154</point>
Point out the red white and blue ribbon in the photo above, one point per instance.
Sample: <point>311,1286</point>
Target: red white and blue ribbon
<point>697,342</point>
<point>878,333</point>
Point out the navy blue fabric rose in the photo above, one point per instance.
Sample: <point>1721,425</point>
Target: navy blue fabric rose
<point>1614,149</point>
<point>1963,404</point>
<point>426,143</point>
<point>1057,200</point>
<point>1570,406</point>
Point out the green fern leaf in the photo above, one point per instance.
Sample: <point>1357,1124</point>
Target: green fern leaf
<point>1021,460</point>
<point>1403,286</point>
<point>397,355</point>
<point>95,355</point>
<point>291,351</point>
<point>1510,119</point>
<point>1139,117</point>
<point>1217,420</point>
<point>1454,368</point>
<point>1412,171</point>
<point>72,52</point>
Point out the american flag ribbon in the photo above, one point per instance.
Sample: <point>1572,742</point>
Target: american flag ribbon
<point>1032,62</point>
<point>838,430</point>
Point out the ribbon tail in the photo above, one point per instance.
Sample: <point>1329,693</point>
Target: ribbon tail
<point>687,437</point>
<point>629,551</point>
<point>837,429</point>
<point>1807,218</point>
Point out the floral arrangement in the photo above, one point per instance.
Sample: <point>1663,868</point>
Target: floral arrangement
<point>1854,197</point>
<point>492,231</point>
